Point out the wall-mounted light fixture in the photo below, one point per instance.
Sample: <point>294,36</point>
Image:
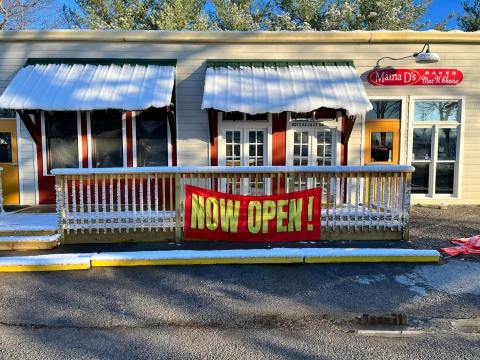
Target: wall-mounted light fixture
<point>424,56</point>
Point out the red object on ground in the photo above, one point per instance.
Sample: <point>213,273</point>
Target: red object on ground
<point>464,246</point>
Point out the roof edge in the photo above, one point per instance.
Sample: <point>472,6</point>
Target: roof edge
<point>235,63</point>
<point>99,61</point>
<point>432,36</point>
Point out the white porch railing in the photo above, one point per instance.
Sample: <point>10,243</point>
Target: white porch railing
<point>1,190</point>
<point>355,200</point>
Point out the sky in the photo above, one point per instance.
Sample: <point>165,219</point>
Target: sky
<point>437,12</point>
<point>441,8</point>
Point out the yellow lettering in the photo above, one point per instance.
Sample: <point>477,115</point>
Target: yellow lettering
<point>197,215</point>
<point>254,217</point>
<point>281,215</point>
<point>268,213</point>
<point>211,207</point>
<point>295,215</point>
<point>229,215</point>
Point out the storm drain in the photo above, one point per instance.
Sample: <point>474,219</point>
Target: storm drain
<point>392,320</point>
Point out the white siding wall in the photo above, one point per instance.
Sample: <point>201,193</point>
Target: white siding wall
<point>192,122</point>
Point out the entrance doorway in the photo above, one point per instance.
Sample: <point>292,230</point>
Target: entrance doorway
<point>9,161</point>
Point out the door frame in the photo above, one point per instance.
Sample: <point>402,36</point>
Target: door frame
<point>404,135</point>
<point>12,128</point>
<point>384,125</point>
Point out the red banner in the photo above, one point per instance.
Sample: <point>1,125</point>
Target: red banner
<point>212,215</point>
<point>425,77</point>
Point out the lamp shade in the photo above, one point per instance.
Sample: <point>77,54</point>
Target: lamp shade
<point>427,58</point>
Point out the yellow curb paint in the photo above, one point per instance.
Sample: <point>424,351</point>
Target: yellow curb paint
<point>371,259</point>
<point>202,261</point>
<point>24,245</point>
<point>50,267</point>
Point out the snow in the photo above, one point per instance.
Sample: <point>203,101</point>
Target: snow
<point>298,88</point>
<point>54,259</point>
<point>265,253</point>
<point>304,253</point>
<point>237,169</point>
<point>39,238</point>
<point>60,87</point>
<point>28,222</point>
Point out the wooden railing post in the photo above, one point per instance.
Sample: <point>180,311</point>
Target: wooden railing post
<point>178,207</point>
<point>1,191</point>
<point>406,216</point>
<point>60,203</point>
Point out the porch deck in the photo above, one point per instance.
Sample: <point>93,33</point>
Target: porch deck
<point>28,222</point>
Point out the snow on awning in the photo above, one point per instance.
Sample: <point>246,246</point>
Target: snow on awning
<point>67,84</point>
<point>259,87</point>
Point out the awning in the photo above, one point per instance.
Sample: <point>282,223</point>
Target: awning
<point>258,87</point>
<point>61,84</point>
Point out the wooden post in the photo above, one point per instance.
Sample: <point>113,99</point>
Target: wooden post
<point>60,204</point>
<point>1,191</point>
<point>406,216</point>
<point>178,207</point>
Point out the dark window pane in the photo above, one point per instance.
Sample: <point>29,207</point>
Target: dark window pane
<point>257,117</point>
<point>107,138</point>
<point>445,178</point>
<point>233,116</point>
<point>381,146</point>
<point>422,144</point>
<point>385,109</point>
<point>420,178</point>
<point>152,143</point>
<point>62,139</point>
<point>447,144</point>
<point>6,147</point>
<point>436,111</point>
<point>7,114</point>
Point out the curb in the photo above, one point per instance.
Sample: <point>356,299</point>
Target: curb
<point>57,262</point>
<point>85,261</point>
<point>32,242</point>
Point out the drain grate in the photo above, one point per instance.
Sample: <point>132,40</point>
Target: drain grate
<point>392,319</point>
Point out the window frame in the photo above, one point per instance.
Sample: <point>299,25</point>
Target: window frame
<point>90,140</point>
<point>135,140</point>
<point>435,126</point>
<point>44,142</point>
<point>404,127</point>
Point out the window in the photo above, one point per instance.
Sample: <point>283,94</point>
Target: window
<point>5,147</point>
<point>239,116</point>
<point>385,109</point>
<point>107,138</point>
<point>233,145</point>
<point>300,148</point>
<point>381,148</point>
<point>7,114</point>
<point>61,133</point>
<point>314,147</point>
<point>324,148</point>
<point>152,143</point>
<point>435,146</point>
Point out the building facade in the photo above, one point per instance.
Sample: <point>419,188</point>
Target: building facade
<point>433,127</point>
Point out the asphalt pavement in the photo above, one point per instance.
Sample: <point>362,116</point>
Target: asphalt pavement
<point>247,311</point>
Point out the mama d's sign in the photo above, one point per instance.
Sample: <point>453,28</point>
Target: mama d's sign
<point>425,77</point>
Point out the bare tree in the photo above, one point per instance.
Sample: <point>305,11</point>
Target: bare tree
<point>25,14</point>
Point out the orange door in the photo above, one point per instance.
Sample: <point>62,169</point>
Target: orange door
<point>382,142</point>
<point>9,161</point>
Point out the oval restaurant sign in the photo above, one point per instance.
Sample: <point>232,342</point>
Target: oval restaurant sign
<point>404,77</point>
